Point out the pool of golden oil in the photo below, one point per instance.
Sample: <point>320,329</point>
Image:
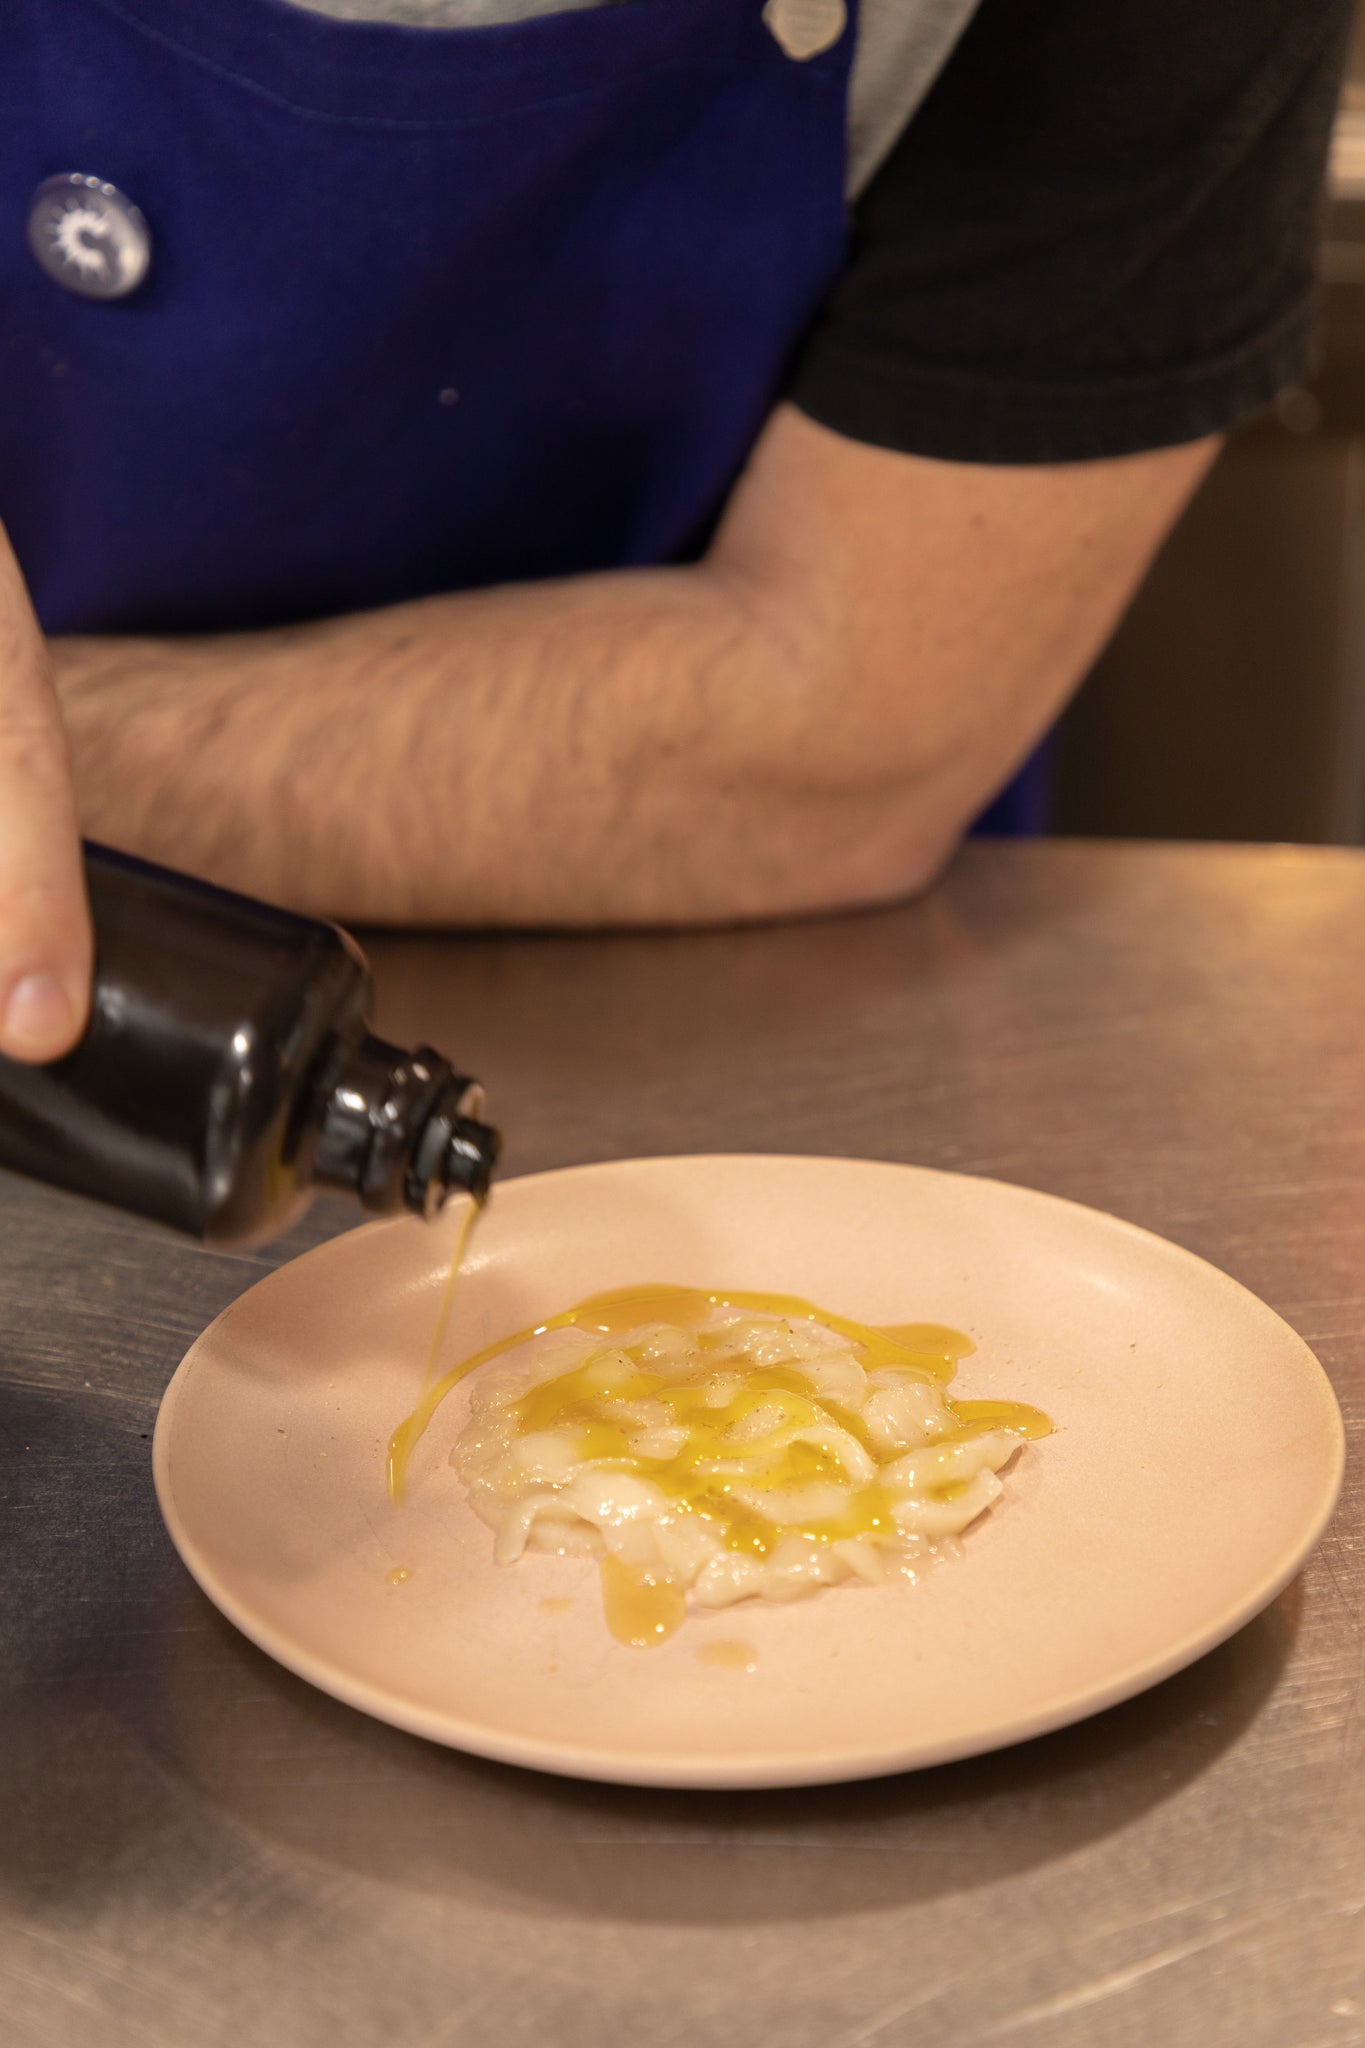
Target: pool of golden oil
<point>644,1609</point>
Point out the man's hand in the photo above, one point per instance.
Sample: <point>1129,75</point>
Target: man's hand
<point>44,921</point>
<point>806,719</point>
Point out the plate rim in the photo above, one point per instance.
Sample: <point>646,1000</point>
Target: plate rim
<point>684,1770</point>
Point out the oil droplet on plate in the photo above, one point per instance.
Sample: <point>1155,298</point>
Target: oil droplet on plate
<point>641,1610</point>
<point>729,1655</point>
<point>556,1603</point>
<point>399,1576</point>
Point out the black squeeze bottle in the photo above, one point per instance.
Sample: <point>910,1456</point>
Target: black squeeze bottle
<point>227,1073</point>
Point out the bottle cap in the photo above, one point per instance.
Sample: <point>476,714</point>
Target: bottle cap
<point>455,1153</point>
<point>401,1130</point>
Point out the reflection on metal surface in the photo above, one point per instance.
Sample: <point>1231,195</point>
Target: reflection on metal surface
<point>305,1776</point>
<point>1347,175</point>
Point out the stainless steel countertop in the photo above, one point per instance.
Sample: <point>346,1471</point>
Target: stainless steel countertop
<point>196,1848</point>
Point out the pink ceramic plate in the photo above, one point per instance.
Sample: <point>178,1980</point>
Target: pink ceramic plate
<point>1197,1458</point>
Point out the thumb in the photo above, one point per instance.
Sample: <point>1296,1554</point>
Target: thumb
<point>45,941</point>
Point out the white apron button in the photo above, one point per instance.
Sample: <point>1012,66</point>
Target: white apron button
<point>88,236</point>
<point>806,27</point>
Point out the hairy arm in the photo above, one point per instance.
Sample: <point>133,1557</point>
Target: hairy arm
<point>805,719</point>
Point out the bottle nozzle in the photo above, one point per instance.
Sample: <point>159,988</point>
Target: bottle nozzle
<point>402,1130</point>
<point>455,1154</point>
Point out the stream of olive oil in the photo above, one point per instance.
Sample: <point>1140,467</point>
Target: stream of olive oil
<point>457,1256</point>
<point>401,1444</point>
<point>643,1609</point>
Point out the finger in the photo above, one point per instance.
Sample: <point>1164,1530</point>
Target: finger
<point>45,941</point>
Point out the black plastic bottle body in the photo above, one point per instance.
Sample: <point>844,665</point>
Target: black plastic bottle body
<point>221,1029</point>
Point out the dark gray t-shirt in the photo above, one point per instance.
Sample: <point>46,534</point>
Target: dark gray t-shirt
<point>1079,228</point>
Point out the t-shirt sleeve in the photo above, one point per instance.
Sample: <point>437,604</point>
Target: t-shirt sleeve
<point>1097,235</point>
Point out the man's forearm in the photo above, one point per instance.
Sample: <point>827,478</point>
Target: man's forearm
<point>805,719</point>
<point>623,748</point>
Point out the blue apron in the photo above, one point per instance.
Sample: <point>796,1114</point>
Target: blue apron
<point>427,309</point>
